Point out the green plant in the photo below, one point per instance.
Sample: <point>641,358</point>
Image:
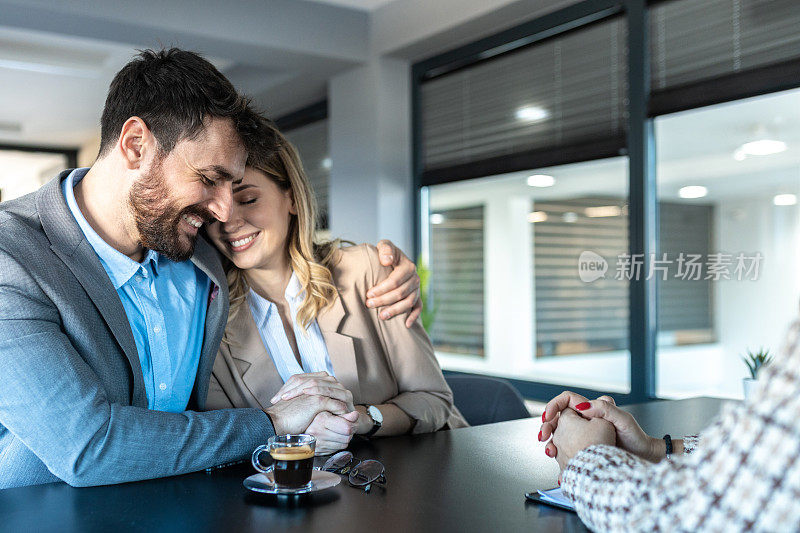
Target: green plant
<point>428,313</point>
<point>755,360</point>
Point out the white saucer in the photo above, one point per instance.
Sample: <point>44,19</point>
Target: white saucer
<point>265,483</point>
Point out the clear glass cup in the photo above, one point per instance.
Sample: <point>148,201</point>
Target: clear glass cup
<point>292,460</point>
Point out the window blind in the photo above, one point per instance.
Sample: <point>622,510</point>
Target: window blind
<point>457,269</point>
<point>577,317</point>
<point>312,144</point>
<point>695,40</point>
<point>559,92</point>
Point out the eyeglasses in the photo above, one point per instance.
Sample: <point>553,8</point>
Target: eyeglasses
<point>360,474</point>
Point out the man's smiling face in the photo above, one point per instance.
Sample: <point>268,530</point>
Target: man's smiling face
<point>188,187</point>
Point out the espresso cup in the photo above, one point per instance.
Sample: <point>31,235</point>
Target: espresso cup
<point>292,460</point>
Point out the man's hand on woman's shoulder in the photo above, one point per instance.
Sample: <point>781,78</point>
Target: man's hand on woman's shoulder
<point>400,292</point>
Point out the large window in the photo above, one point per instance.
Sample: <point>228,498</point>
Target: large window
<point>536,144</point>
<point>22,172</point>
<point>507,290</point>
<point>732,174</point>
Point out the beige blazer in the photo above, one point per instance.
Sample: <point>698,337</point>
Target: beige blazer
<point>379,361</point>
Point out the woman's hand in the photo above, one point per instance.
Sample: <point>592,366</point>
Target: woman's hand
<point>314,383</point>
<point>399,291</point>
<point>630,436</point>
<point>575,433</point>
<point>333,432</point>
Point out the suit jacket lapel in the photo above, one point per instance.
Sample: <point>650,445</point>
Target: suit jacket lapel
<point>340,346</point>
<point>261,376</point>
<point>69,243</point>
<point>206,259</point>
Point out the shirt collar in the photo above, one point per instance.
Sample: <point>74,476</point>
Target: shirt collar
<point>293,288</point>
<point>261,307</point>
<point>119,267</point>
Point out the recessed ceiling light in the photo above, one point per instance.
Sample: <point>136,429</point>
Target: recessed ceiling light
<point>762,147</point>
<point>603,211</point>
<point>785,199</point>
<point>570,217</point>
<point>537,216</point>
<point>692,191</point>
<point>327,163</point>
<point>531,113</point>
<point>541,180</point>
<point>437,218</point>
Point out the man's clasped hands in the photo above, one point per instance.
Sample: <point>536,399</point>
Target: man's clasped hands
<point>315,404</point>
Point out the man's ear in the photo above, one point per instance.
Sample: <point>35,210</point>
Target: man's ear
<point>136,142</point>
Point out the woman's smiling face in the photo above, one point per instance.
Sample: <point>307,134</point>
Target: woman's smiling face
<point>255,234</point>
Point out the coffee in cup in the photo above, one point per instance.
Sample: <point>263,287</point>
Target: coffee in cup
<point>292,466</point>
<point>292,460</point>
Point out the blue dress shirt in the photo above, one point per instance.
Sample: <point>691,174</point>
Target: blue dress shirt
<point>166,306</point>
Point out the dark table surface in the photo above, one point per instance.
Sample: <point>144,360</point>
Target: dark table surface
<point>470,479</point>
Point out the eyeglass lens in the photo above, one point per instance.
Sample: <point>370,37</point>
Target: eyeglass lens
<point>338,462</point>
<point>367,472</point>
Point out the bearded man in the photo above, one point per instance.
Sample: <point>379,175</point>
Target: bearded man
<point>111,306</point>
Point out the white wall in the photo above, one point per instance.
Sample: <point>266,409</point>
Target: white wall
<point>370,141</point>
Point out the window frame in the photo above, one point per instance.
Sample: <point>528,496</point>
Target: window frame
<point>644,105</point>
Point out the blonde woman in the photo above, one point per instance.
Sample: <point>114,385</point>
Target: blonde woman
<point>298,324</point>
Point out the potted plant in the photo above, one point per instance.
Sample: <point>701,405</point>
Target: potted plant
<point>428,312</point>
<point>754,362</point>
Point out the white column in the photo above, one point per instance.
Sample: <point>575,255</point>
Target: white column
<point>370,143</point>
<point>508,283</point>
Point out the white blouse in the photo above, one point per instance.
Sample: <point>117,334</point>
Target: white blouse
<point>310,343</point>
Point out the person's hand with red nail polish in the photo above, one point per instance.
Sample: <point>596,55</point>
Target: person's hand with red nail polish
<point>575,433</point>
<point>629,435</point>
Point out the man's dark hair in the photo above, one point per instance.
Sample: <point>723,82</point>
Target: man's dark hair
<point>174,91</point>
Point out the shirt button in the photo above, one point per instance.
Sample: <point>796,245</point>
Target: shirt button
<point>157,329</point>
<point>163,386</point>
<point>138,279</point>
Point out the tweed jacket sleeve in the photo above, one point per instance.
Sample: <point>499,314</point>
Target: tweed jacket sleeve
<point>742,475</point>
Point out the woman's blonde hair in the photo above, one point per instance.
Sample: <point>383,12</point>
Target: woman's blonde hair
<point>310,261</point>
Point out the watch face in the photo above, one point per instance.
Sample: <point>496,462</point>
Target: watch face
<point>375,413</point>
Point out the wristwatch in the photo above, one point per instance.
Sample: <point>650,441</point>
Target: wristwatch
<point>377,420</point>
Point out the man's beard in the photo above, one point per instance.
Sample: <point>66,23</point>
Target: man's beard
<point>158,218</point>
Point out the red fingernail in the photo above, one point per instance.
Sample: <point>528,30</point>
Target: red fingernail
<point>559,482</point>
<point>583,406</point>
<point>543,416</point>
<point>540,436</point>
<point>547,452</point>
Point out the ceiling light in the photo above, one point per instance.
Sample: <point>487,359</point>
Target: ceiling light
<point>603,211</point>
<point>570,217</point>
<point>531,113</point>
<point>437,218</point>
<point>762,147</point>
<point>739,155</point>
<point>541,180</point>
<point>785,199</point>
<point>692,191</point>
<point>326,163</point>
<point>537,216</point>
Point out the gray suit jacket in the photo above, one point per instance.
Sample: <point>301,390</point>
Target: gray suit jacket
<point>72,400</point>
